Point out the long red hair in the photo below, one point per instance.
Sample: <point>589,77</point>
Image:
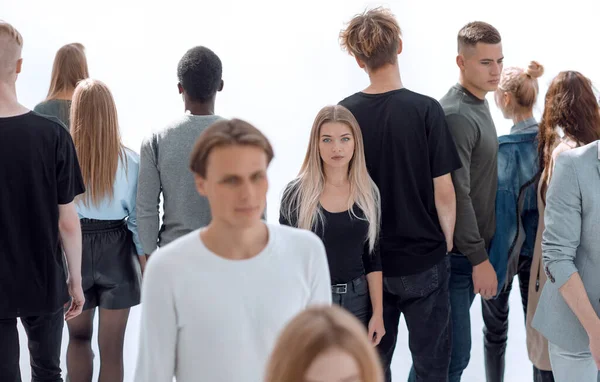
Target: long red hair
<point>571,105</point>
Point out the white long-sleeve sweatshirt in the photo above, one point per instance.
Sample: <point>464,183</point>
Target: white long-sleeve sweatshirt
<point>207,318</point>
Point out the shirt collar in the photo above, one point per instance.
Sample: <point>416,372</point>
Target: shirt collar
<point>528,125</point>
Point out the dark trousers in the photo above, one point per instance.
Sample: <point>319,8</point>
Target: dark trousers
<point>44,335</point>
<point>424,300</point>
<point>354,297</point>
<point>495,318</point>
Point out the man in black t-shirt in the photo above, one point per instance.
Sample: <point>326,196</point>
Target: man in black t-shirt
<point>410,155</point>
<point>40,177</point>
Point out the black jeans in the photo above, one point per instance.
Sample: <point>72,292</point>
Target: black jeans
<point>356,298</point>
<point>495,331</point>
<point>424,299</point>
<point>44,335</point>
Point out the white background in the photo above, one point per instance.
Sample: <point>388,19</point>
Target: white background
<point>281,64</point>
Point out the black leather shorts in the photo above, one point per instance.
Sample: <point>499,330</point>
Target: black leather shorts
<point>110,270</point>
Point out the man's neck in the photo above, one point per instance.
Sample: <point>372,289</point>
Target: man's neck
<point>197,108</point>
<point>472,89</point>
<point>234,243</point>
<point>9,105</point>
<point>384,79</point>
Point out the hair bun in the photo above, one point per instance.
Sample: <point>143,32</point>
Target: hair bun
<point>535,69</point>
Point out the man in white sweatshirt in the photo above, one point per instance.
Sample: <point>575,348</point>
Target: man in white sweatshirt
<point>214,300</point>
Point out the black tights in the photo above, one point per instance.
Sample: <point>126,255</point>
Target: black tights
<point>111,335</point>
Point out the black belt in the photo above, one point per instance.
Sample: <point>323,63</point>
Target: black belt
<point>95,225</point>
<point>343,288</point>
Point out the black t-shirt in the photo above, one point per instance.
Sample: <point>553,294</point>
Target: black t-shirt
<point>407,144</point>
<point>38,171</point>
<point>345,237</point>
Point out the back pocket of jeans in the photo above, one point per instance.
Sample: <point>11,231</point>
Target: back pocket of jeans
<point>421,284</point>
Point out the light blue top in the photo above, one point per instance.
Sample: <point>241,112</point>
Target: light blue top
<point>122,205</point>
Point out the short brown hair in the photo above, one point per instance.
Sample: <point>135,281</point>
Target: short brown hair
<point>7,29</point>
<point>226,133</point>
<point>477,31</point>
<point>373,37</point>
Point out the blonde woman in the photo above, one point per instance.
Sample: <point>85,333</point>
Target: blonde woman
<point>511,250</point>
<point>110,270</point>
<point>70,67</point>
<point>335,197</point>
<point>325,344</point>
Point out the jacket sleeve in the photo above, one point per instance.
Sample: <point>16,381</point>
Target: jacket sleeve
<point>562,218</point>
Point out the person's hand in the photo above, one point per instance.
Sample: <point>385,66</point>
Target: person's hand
<point>77,299</point>
<point>485,281</point>
<point>143,259</point>
<point>376,329</point>
<point>595,345</point>
<point>449,246</point>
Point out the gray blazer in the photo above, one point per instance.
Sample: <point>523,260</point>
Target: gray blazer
<point>571,243</point>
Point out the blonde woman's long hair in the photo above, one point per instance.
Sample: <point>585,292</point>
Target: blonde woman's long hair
<point>70,66</point>
<point>302,196</point>
<point>95,131</point>
<point>312,333</point>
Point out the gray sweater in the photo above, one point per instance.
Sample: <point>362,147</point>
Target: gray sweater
<point>475,136</point>
<point>164,168</point>
<point>59,108</point>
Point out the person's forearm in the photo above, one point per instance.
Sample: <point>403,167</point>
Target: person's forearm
<point>375,282</point>
<point>573,291</point>
<point>142,259</point>
<point>446,210</point>
<point>70,236</point>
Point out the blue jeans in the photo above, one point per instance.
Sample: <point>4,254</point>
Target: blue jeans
<point>461,299</point>
<point>424,300</point>
<point>44,339</point>
<point>355,298</point>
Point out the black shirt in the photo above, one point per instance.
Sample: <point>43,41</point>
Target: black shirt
<point>407,144</point>
<point>38,171</point>
<point>346,242</point>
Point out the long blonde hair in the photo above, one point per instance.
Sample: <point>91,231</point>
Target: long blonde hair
<point>301,198</point>
<point>70,66</point>
<point>315,331</point>
<point>95,131</point>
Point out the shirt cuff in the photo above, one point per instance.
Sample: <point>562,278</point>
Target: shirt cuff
<point>477,257</point>
<point>559,272</point>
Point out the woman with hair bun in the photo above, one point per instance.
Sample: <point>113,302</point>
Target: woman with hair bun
<point>517,216</point>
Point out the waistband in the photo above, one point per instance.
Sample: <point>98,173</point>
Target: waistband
<point>94,225</point>
<point>343,288</point>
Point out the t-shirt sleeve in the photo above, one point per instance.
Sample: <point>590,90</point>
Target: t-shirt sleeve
<point>69,181</point>
<point>443,156</point>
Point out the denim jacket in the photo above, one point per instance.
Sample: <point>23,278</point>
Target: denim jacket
<point>516,200</point>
